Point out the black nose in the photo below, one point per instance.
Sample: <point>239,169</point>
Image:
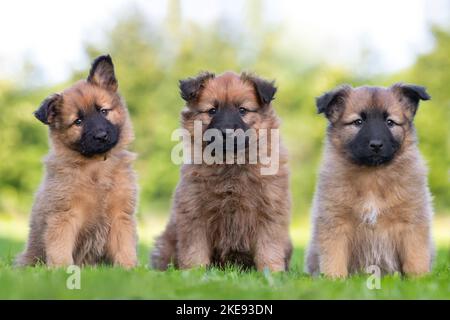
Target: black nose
<point>101,135</point>
<point>376,145</point>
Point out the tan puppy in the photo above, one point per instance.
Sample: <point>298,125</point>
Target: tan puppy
<point>372,204</point>
<point>228,213</point>
<point>84,210</point>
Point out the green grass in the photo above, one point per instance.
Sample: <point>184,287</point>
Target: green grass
<point>142,283</point>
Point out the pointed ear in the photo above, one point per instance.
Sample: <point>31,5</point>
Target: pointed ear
<point>264,89</point>
<point>331,103</point>
<point>190,88</point>
<point>48,109</point>
<point>412,94</point>
<point>102,73</point>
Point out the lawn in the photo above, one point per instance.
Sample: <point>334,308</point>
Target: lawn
<point>142,283</point>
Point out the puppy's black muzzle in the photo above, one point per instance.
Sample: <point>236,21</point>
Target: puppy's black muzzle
<point>98,137</point>
<point>374,144</point>
<point>228,121</point>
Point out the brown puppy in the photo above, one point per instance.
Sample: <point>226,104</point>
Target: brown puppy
<point>228,213</point>
<point>372,204</point>
<point>83,211</point>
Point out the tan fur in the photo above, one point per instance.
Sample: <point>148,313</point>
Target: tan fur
<point>228,213</point>
<point>84,209</point>
<point>366,216</point>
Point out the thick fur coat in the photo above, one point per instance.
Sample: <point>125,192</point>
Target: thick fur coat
<point>84,209</point>
<point>228,213</point>
<point>377,212</point>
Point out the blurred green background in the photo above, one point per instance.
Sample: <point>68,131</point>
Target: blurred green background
<point>150,58</point>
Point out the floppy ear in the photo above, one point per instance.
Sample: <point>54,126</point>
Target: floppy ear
<point>102,73</point>
<point>191,87</point>
<point>332,102</point>
<point>48,109</point>
<point>265,89</point>
<point>412,93</point>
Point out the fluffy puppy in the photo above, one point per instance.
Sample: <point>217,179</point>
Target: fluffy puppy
<point>84,209</point>
<point>228,213</point>
<point>372,204</point>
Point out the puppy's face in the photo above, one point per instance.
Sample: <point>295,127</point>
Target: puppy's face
<point>87,117</point>
<point>371,125</point>
<point>228,102</point>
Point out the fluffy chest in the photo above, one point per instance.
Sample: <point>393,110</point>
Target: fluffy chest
<point>86,190</point>
<point>231,207</point>
<point>369,210</point>
<point>238,196</point>
<point>372,209</point>
<point>374,241</point>
<point>374,246</point>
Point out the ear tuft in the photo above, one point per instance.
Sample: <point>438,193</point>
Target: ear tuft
<point>191,87</point>
<point>48,109</point>
<point>265,89</point>
<point>330,102</point>
<point>102,73</point>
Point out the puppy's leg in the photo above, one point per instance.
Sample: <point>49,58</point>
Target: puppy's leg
<point>270,251</point>
<point>60,237</point>
<point>193,248</point>
<point>334,246</point>
<point>312,260</point>
<point>34,251</point>
<point>165,248</point>
<point>288,249</point>
<point>312,264</point>
<point>33,254</point>
<point>415,252</point>
<point>122,240</point>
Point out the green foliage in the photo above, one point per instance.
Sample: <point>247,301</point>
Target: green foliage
<point>432,121</point>
<point>150,59</point>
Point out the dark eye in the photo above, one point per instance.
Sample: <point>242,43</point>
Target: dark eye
<point>104,112</point>
<point>390,123</point>
<point>242,111</point>
<point>357,122</point>
<point>78,122</point>
<point>212,111</point>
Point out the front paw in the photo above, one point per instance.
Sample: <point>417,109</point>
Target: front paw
<point>59,261</point>
<point>199,261</point>
<point>415,269</point>
<point>125,261</point>
<point>271,266</point>
<point>335,272</point>
<point>23,260</point>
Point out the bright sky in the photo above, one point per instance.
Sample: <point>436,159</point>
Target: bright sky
<point>51,33</point>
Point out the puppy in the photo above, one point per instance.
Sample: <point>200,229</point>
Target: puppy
<point>228,213</point>
<point>372,204</point>
<point>84,210</point>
